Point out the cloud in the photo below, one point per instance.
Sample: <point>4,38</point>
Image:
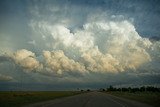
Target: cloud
<point>82,42</point>
<point>5,77</point>
<point>26,59</point>
<point>58,36</point>
<point>95,61</point>
<point>56,61</point>
<point>51,62</point>
<point>102,45</point>
<point>121,41</point>
<point>93,43</point>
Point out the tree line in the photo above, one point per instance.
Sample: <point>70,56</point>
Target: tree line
<point>130,89</point>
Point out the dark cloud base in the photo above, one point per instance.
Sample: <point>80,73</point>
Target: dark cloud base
<point>121,80</point>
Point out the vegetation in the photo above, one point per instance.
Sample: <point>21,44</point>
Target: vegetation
<point>140,89</point>
<point>149,95</point>
<point>18,99</point>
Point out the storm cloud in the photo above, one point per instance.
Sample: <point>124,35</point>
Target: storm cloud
<point>107,46</point>
<point>83,42</point>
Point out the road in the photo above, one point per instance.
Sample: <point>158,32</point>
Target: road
<point>92,99</point>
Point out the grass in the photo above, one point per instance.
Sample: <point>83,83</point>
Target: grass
<point>151,98</point>
<point>18,99</point>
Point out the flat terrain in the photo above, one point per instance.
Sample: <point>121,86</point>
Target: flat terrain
<point>18,99</point>
<point>152,98</point>
<point>91,99</point>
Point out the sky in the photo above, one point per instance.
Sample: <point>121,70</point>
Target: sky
<point>69,44</point>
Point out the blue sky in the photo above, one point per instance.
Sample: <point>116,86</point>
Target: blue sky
<point>79,43</point>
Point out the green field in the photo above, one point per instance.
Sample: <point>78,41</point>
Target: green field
<point>18,99</point>
<point>151,98</point>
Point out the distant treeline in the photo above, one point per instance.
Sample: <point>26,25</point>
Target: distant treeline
<point>129,89</point>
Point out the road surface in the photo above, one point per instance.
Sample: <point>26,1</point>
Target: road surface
<point>92,99</point>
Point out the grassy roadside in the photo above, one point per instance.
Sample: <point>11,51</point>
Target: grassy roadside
<point>18,99</point>
<point>151,98</point>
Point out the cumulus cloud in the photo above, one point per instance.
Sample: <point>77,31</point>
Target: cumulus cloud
<point>82,42</point>
<point>58,62</point>
<point>26,59</point>
<point>5,77</point>
<point>95,61</point>
<point>107,46</point>
<point>100,46</point>
<point>121,41</point>
<point>103,44</point>
<point>52,62</point>
<point>61,37</point>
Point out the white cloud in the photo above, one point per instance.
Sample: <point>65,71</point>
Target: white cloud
<point>26,59</point>
<point>103,44</point>
<point>95,61</point>
<point>102,47</point>
<point>117,44</point>
<point>56,61</point>
<point>81,42</point>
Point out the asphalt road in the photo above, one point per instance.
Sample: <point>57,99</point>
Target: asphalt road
<point>92,99</point>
